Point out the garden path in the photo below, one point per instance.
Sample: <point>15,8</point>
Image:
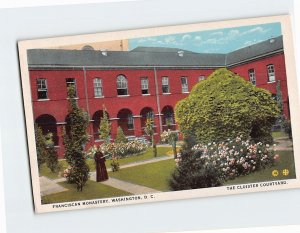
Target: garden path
<point>126,186</point>
<point>284,143</point>
<point>49,186</point>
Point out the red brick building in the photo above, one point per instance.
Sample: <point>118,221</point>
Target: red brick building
<point>133,85</point>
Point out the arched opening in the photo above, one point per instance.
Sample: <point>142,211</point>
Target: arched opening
<point>168,121</point>
<point>125,121</point>
<point>146,113</point>
<point>48,125</point>
<point>96,123</point>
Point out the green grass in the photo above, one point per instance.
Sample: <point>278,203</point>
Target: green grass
<point>153,175</point>
<point>161,151</point>
<point>278,134</point>
<point>286,162</point>
<point>92,190</point>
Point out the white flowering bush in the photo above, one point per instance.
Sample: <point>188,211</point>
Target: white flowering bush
<point>69,175</point>
<point>236,157</point>
<point>118,149</point>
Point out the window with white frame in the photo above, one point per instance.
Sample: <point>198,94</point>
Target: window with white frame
<point>252,77</point>
<point>130,121</point>
<point>98,91</point>
<point>42,89</point>
<point>165,85</point>
<point>201,77</point>
<point>122,85</point>
<point>72,82</point>
<point>184,84</point>
<point>271,73</point>
<point>144,85</point>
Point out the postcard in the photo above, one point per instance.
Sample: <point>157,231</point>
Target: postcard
<point>159,114</point>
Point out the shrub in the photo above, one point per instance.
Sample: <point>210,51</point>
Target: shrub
<point>236,157</point>
<point>52,157</point>
<point>69,175</point>
<point>225,105</point>
<point>120,136</point>
<point>115,166</point>
<point>118,149</point>
<point>193,173</point>
<point>210,165</point>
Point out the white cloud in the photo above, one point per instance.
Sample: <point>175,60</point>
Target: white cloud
<point>186,37</point>
<point>233,33</point>
<point>198,38</point>
<point>256,30</point>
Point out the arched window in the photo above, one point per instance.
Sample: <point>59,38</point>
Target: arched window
<point>122,85</point>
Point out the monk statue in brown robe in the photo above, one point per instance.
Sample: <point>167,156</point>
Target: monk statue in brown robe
<point>101,172</point>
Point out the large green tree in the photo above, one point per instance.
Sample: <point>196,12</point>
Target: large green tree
<point>75,138</point>
<point>225,106</point>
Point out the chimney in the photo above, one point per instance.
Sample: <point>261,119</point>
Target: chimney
<point>104,52</point>
<point>180,53</point>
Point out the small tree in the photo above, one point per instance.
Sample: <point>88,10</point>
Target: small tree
<point>120,136</point>
<point>41,149</point>
<point>149,130</point>
<point>104,128</point>
<point>75,140</point>
<point>170,137</point>
<point>52,158</point>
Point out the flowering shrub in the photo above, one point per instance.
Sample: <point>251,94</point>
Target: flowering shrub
<point>236,157</point>
<point>68,174</point>
<point>118,149</point>
<point>123,149</point>
<point>115,166</point>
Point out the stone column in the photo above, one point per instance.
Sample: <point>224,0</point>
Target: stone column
<point>137,126</point>
<point>114,127</point>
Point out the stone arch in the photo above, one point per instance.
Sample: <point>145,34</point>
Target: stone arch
<point>168,120</point>
<point>125,121</point>
<point>96,123</point>
<point>145,114</point>
<point>48,125</point>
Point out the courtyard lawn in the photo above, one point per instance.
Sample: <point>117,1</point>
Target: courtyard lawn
<point>153,175</point>
<point>286,162</point>
<point>161,151</point>
<point>278,134</point>
<point>92,190</point>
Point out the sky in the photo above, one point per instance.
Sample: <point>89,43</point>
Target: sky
<point>212,41</point>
